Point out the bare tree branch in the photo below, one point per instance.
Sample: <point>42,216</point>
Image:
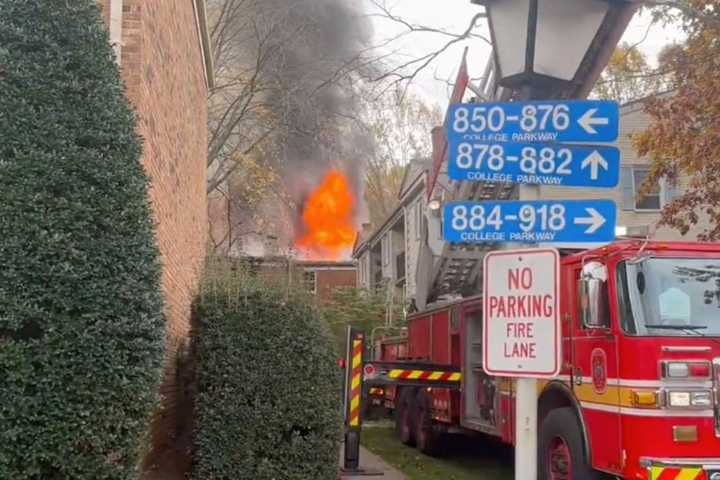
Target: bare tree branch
<point>405,72</point>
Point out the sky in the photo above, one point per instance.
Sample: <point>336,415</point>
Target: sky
<point>455,15</point>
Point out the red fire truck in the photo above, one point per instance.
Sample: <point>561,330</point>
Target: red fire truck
<point>639,392</point>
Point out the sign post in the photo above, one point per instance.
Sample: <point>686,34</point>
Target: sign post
<point>556,143</point>
<point>522,334</point>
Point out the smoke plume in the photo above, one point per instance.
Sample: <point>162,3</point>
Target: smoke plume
<point>317,97</point>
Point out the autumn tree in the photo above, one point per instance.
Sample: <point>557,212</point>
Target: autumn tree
<point>245,193</point>
<point>247,38</point>
<point>400,125</point>
<point>628,76</point>
<point>682,140</point>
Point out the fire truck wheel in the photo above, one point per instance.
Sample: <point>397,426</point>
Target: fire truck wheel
<point>560,450</point>
<point>426,437</point>
<point>405,417</point>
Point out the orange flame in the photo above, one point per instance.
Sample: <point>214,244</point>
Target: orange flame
<point>329,228</point>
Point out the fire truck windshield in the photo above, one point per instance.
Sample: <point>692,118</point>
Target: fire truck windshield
<point>670,296</point>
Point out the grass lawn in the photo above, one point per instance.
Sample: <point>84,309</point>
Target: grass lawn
<point>465,458</point>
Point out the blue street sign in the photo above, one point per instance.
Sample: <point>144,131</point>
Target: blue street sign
<point>534,122</point>
<point>560,165</point>
<point>584,221</point>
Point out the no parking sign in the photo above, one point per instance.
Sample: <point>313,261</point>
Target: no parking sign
<point>521,314</point>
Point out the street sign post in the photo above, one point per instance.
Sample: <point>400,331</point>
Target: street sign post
<point>552,143</point>
<point>557,165</point>
<point>521,314</point>
<point>541,221</point>
<point>588,121</point>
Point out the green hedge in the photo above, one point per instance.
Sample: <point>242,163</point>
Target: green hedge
<point>81,328</point>
<point>269,388</point>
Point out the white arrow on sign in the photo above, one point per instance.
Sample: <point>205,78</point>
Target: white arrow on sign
<point>588,121</point>
<point>595,160</point>
<point>595,221</point>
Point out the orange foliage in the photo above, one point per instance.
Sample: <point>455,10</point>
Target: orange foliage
<point>328,219</point>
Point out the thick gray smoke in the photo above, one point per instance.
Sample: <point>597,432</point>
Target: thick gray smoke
<point>316,96</point>
<point>286,96</point>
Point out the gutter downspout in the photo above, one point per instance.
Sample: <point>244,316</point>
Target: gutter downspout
<point>205,44</point>
<point>116,28</point>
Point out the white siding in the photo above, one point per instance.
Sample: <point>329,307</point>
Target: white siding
<point>387,263</point>
<point>363,270</point>
<point>413,233</point>
<point>632,120</point>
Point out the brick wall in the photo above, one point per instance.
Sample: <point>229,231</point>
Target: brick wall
<point>163,68</point>
<point>328,280</point>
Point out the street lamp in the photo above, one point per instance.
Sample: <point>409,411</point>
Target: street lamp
<point>547,46</point>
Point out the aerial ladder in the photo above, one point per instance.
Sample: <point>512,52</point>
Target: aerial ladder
<point>446,269</point>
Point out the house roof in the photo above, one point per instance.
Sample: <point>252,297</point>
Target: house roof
<point>639,103</point>
<point>414,173</point>
<point>282,261</point>
<point>325,264</point>
<point>362,244</point>
<point>414,170</point>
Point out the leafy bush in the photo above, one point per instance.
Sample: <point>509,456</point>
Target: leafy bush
<point>269,388</point>
<point>360,308</point>
<point>364,309</point>
<point>81,328</point>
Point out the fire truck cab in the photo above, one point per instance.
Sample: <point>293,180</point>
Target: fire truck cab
<point>638,394</point>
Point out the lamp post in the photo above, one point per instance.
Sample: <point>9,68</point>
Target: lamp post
<point>554,48</point>
<point>549,49</point>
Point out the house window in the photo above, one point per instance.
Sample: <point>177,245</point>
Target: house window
<point>649,200</point>
<point>631,181</point>
<point>310,281</point>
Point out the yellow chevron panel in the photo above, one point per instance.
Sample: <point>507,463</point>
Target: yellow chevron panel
<point>688,474</point>
<point>655,472</point>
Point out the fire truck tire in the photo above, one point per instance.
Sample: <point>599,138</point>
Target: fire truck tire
<point>427,438</point>
<point>405,417</point>
<point>561,453</point>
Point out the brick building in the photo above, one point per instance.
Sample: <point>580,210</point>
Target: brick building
<point>322,278</point>
<point>317,276</point>
<point>163,50</point>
